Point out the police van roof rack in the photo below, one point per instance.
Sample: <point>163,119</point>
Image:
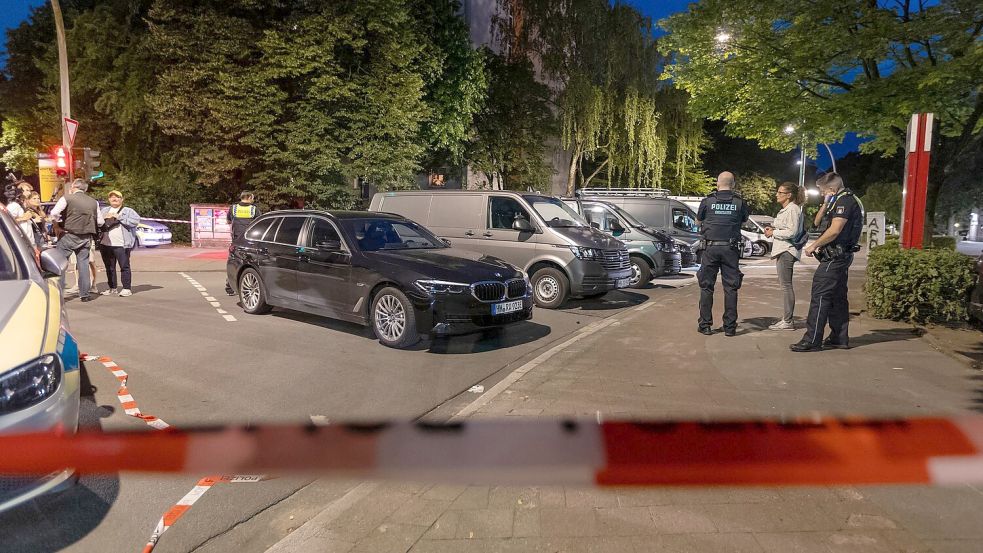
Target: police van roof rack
<point>622,192</point>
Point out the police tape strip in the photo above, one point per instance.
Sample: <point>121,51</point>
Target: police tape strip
<point>123,393</point>
<point>810,451</point>
<point>189,499</point>
<point>166,220</point>
<point>130,408</point>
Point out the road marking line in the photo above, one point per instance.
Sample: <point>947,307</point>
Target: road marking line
<point>518,373</point>
<point>212,301</point>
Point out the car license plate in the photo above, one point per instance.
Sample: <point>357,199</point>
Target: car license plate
<point>621,283</point>
<point>507,307</point>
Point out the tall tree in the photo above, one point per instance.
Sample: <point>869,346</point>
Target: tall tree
<point>603,67</point>
<point>513,129</point>
<point>832,67</point>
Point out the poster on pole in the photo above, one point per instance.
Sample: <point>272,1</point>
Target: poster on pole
<point>47,179</point>
<point>875,229</point>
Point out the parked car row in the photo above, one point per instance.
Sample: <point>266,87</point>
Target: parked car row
<point>446,262</point>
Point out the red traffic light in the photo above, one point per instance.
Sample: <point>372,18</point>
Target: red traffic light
<point>61,157</point>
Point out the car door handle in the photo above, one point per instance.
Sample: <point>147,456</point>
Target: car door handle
<point>487,235</point>
<point>469,233</point>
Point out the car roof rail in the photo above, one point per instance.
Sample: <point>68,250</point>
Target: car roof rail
<point>625,192</point>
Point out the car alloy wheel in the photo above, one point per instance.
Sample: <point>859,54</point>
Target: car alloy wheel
<point>390,318</point>
<point>249,291</point>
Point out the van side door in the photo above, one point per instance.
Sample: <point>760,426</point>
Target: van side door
<point>500,239</point>
<point>459,218</point>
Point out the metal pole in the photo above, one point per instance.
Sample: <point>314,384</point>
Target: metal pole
<point>802,166</point>
<point>66,107</point>
<point>832,158</point>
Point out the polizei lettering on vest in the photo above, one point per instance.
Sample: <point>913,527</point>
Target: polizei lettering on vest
<point>724,209</point>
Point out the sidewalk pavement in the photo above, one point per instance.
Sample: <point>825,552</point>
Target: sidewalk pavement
<point>650,362</point>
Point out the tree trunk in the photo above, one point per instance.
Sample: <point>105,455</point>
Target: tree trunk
<point>572,175</point>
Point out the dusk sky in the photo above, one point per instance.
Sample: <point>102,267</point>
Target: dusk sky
<point>12,12</point>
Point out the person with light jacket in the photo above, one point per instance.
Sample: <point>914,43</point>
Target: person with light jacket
<point>118,238</point>
<point>787,230</point>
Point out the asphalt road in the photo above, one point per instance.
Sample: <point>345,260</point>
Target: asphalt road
<point>189,364</point>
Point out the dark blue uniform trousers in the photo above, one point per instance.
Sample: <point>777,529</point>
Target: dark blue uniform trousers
<point>725,260</point>
<point>829,302</point>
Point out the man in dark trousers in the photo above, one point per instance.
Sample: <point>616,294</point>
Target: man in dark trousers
<point>720,216</point>
<point>841,225</point>
<point>240,216</point>
<point>81,220</point>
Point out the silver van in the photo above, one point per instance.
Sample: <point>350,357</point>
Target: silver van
<point>562,254</point>
<point>652,206</point>
<point>653,253</point>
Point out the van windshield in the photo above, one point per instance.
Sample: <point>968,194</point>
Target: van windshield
<point>556,213</point>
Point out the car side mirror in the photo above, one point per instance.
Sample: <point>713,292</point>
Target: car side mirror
<point>617,229</point>
<point>445,241</point>
<point>522,225</point>
<point>53,263</point>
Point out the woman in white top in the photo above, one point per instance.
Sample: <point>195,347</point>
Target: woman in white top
<point>118,238</point>
<point>788,226</point>
<point>15,207</point>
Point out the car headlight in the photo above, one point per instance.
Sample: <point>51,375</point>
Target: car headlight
<point>441,287</point>
<point>682,247</point>
<point>658,245</point>
<point>591,254</point>
<point>30,383</point>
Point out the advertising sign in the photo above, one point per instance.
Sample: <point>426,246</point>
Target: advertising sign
<point>48,179</point>
<point>209,228</point>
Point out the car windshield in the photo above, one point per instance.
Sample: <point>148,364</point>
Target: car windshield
<point>556,213</point>
<point>372,235</point>
<point>628,217</point>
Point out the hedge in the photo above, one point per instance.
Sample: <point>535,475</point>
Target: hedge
<point>918,286</point>
<point>943,243</point>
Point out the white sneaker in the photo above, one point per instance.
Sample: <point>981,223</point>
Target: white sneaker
<point>72,290</point>
<point>125,292</point>
<point>109,292</point>
<point>782,325</point>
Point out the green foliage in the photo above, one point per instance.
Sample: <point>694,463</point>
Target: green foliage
<point>289,98</point>
<point>886,197</point>
<point>943,243</point>
<point>603,65</point>
<point>918,286</point>
<point>511,132</point>
<point>759,193</point>
<point>831,67</point>
<point>454,78</point>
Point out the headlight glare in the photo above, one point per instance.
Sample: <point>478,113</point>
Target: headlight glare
<point>30,383</point>
<point>441,287</point>
<point>591,254</point>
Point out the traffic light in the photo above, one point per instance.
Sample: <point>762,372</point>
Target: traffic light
<point>90,160</point>
<point>63,160</point>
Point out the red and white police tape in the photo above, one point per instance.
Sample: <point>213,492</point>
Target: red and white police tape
<point>166,220</point>
<point>807,451</point>
<point>131,408</point>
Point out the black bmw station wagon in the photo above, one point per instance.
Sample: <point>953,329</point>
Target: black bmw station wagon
<point>375,269</point>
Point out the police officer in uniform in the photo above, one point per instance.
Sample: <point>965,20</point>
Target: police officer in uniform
<point>721,215</point>
<point>240,216</point>
<point>841,225</point>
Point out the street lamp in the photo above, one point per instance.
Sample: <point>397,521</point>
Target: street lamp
<point>722,37</point>
<point>789,130</point>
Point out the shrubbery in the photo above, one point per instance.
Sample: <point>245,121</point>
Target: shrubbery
<point>920,286</point>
